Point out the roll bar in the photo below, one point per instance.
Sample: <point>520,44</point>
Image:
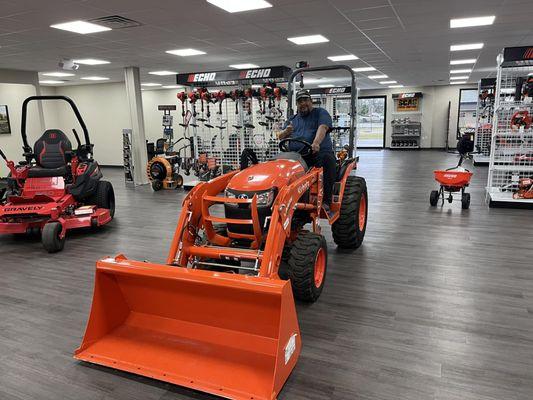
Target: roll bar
<point>353,98</point>
<point>65,98</point>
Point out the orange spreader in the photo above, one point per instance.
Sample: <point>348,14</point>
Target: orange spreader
<point>231,335</point>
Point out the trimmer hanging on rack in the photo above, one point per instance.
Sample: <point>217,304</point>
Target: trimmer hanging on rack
<point>208,98</point>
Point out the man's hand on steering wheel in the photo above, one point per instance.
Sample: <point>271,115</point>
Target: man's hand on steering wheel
<point>315,147</point>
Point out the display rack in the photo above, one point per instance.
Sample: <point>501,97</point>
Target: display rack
<point>406,124</point>
<point>484,115</point>
<point>127,156</point>
<point>511,155</point>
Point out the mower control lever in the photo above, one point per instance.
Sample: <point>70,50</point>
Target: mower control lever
<point>77,137</point>
<point>3,155</point>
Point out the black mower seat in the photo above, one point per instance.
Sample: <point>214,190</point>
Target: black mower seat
<point>51,149</point>
<point>39,172</point>
<point>291,155</point>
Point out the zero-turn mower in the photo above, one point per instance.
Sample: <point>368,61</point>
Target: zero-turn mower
<point>220,315</point>
<point>56,188</point>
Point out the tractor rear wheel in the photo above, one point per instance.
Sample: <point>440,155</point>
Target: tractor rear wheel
<point>307,266</point>
<point>349,230</point>
<point>104,197</point>
<point>50,237</point>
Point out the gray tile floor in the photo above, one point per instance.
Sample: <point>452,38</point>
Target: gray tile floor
<point>436,304</point>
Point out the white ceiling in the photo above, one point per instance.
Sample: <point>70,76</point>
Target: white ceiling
<point>408,40</point>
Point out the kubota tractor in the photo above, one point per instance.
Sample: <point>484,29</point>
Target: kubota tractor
<point>220,315</point>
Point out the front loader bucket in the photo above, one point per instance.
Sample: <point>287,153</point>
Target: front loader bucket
<point>231,335</point>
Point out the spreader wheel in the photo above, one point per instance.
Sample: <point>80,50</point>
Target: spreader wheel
<point>434,198</point>
<point>465,201</point>
<point>307,266</point>
<point>51,237</point>
<point>349,229</point>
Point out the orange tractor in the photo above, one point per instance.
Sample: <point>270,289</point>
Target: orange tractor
<point>220,316</point>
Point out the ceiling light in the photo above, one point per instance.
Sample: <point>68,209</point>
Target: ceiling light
<point>91,61</point>
<point>243,66</point>
<point>346,57</point>
<point>162,73</point>
<point>82,27</point>
<point>378,76</point>
<point>461,47</point>
<point>387,82</point>
<point>363,69</point>
<point>151,84</point>
<point>299,40</point>
<point>57,74</point>
<point>395,86</point>
<point>459,78</point>
<point>326,86</point>
<point>95,78</point>
<point>234,6</point>
<point>458,83</point>
<point>185,52</point>
<point>50,82</point>
<point>476,21</point>
<point>464,61</point>
<point>460,71</point>
<point>172,87</point>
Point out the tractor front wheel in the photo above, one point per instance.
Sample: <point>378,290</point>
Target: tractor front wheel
<point>349,229</point>
<point>51,237</point>
<point>307,266</point>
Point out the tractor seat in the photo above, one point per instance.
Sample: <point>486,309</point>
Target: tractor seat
<point>292,155</point>
<point>51,151</point>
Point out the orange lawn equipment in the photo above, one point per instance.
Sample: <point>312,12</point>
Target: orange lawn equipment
<point>452,180</point>
<point>220,315</point>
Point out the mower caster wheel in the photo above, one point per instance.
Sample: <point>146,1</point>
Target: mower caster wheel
<point>307,266</point>
<point>50,237</point>
<point>349,229</point>
<point>434,198</point>
<point>465,201</point>
<point>157,185</point>
<point>179,181</point>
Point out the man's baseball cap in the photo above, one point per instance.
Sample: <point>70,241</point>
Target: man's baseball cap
<point>303,94</point>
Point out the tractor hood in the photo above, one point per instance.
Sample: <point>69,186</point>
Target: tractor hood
<point>264,176</point>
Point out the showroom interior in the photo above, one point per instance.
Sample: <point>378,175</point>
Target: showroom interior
<point>266,199</point>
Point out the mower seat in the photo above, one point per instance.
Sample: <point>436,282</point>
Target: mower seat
<point>51,152</point>
<point>292,155</point>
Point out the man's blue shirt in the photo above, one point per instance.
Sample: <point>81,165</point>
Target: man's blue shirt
<point>305,128</point>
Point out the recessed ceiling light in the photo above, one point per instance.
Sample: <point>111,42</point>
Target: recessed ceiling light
<point>476,21</point>
<point>395,86</point>
<point>234,6</point>
<point>326,86</point>
<point>91,61</point>
<point>458,83</point>
<point>464,61</point>
<point>346,57</point>
<point>363,69</point>
<point>300,40</point>
<point>95,78</point>
<point>57,74</point>
<point>460,71</point>
<point>172,87</point>
<point>461,47</point>
<point>387,82</point>
<point>243,66</point>
<point>458,78</point>
<point>378,76</point>
<point>51,82</point>
<point>162,73</point>
<point>185,52</point>
<point>82,27</point>
<point>151,84</point>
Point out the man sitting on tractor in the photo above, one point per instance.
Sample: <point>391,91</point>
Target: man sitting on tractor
<point>313,125</point>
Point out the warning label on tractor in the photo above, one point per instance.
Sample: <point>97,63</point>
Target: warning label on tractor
<point>290,348</point>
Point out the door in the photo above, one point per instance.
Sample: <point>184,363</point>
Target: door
<point>371,112</point>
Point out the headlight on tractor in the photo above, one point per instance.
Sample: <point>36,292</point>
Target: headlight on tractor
<point>264,199</point>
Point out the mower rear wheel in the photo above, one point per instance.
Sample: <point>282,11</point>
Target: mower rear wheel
<point>465,201</point>
<point>434,198</point>
<point>307,266</point>
<point>50,237</point>
<point>104,197</point>
<point>349,229</point>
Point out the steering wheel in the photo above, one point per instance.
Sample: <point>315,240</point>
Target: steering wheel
<point>304,151</point>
